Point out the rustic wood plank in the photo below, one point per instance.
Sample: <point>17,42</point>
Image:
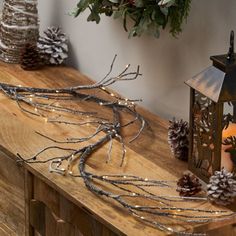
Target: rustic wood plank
<point>148,156</point>
<point>38,216</point>
<point>59,208</point>
<point>56,226</point>
<point>6,231</point>
<point>29,231</point>
<point>12,195</point>
<point>229,230</point>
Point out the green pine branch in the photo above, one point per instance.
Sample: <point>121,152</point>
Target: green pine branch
<point>147,15</point>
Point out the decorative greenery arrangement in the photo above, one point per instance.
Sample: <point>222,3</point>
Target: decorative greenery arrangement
<point>147,15</point>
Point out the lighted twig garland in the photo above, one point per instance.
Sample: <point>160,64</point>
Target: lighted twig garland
<point>127,190</point>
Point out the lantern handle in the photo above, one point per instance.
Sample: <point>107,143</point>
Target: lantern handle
<point>230,55</point>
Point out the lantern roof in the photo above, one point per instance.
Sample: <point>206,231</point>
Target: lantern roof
<point>218,82</point>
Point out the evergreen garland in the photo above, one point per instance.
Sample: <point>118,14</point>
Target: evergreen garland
<point>147,15</point>
<point>178,15</point>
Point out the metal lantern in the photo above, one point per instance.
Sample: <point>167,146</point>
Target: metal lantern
<point>213,116</point>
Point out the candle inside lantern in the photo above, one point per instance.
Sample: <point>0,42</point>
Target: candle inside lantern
<point>226,161</point>
<point>230,131</point>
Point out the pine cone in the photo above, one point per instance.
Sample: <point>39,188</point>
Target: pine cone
<point>222,187</point>
<point>30,59</point>
<point>54,46</point>
<point>178,138</point>
<point>188,185</point>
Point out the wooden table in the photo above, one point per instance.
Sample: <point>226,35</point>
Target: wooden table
<point>34,201</point>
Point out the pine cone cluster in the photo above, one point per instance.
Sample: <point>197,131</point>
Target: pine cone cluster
<point>30,59</point>
<point>188,185</point>
<point>178,138</point>
<point>53,46</point>
<point>222,187</point>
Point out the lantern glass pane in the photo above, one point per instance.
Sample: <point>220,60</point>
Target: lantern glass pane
<point>204,133</point>
<point>228,147</point>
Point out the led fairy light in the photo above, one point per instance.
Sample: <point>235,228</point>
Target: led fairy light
<point>127,189</point>
<point>120,100</point>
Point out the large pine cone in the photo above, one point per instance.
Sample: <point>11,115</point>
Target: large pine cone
<point>222,187</point>
<point>188,185</point>
<point>178,138</point>
<point>54,46</point>
<point>30,59</point>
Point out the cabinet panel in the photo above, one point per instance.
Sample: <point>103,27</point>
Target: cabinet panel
<point>61,217</point>
<point>12,205</point>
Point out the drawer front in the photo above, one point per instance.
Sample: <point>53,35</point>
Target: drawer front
<point>52,214</point>
<point>12,204</point>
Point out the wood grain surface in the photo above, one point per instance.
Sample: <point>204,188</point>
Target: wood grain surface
<point>12,217</point>
<point>149,156</point>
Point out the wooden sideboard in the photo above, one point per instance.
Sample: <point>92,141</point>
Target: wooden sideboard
<point>36,202</point>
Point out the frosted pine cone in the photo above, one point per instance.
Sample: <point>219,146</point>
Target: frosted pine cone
<point>222,187</point>
<point>188,185</point>
<point>178,138</point>
<point>53,46</point>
